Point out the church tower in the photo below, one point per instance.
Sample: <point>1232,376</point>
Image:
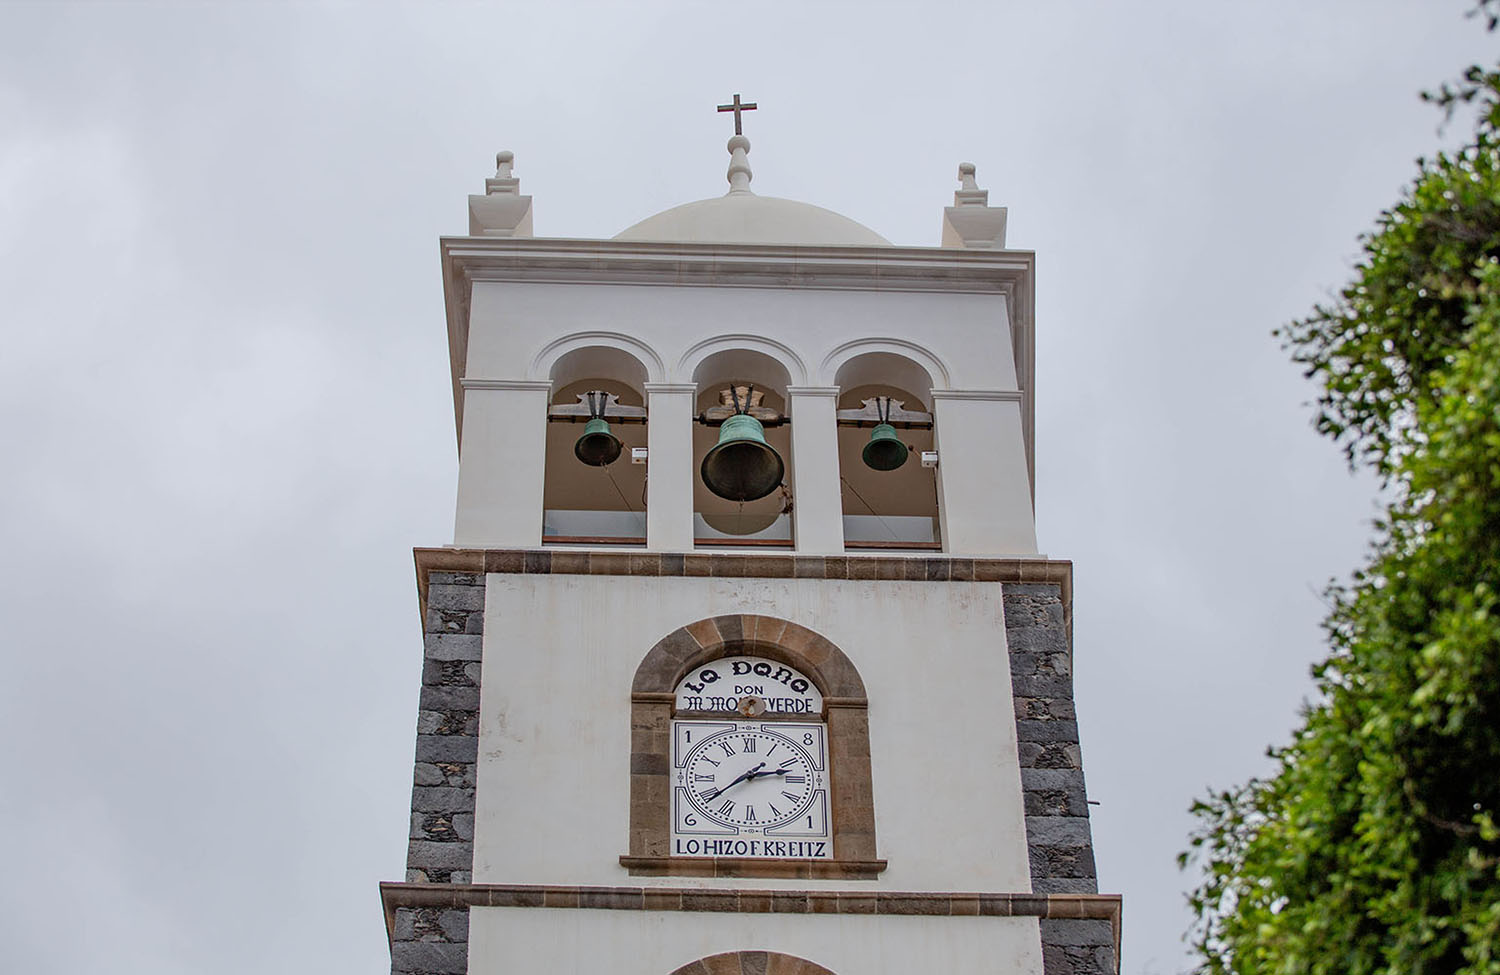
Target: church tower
<point>743,658</point>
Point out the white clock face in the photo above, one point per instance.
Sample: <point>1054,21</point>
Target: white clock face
<point>750,789</point>
<point>748,778</point>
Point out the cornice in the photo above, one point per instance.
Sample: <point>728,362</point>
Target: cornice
<point>983,395</point>
<point>928,904</point>
<point>561,260</point>
<point>524,384</point>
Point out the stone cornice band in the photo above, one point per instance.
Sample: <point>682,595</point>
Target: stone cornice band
<point>1101,907</point>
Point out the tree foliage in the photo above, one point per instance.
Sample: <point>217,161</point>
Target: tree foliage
<point>1373,846</point>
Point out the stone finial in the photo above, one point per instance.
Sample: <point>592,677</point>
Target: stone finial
<point>971,222</point>
<point>503,181</point>
<point>968,193</point>
<point>739,164</point>
<point>502,211</point>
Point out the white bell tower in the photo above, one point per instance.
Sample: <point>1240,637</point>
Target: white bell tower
<point>743,658</point>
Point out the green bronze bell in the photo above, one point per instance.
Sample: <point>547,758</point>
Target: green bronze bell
<point>742,466</point>
<point>597,447</point>
<point>885,451</point>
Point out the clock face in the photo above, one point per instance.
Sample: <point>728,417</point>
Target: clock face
<point>750,789</point>
<point>751,778</point>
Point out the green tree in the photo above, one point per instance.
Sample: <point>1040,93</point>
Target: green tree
<point>1373,845</point>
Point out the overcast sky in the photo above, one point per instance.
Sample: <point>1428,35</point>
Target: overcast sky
<point>227,417</point>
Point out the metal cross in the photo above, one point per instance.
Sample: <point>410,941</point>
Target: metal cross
<point>736,107</point>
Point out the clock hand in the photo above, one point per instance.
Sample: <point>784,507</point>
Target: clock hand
<point>743,777</point>
<point>775,771</point>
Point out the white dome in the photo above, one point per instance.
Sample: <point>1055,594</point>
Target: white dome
<point>745,218</point>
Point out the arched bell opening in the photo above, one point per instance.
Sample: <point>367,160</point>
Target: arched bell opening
<point>889,498</point>
<point>742,452</point>
<point>592,492</point>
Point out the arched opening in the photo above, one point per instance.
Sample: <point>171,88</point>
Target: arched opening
<point>661,756</point>
<point>752,963</point>
<point>886,509</point>
<point>586,501</point>
<point>728,382</point>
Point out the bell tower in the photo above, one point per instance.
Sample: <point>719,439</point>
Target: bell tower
<point>743,658</point>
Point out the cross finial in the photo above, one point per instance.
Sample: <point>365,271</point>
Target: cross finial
<point>737,107</point>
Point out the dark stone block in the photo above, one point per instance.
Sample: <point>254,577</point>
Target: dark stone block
<point>449,699</point>
<point>455,597</point>
<point>1048,731</point>
<point>441,799</point>
<point>431,957</point>
<point>431,854</point>
<point>1082,932</point>
<point>453,646</point>
<point>447,748</point>
<point>1058,831</point>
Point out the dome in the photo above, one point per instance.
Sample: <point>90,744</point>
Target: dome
<point>742,217</point>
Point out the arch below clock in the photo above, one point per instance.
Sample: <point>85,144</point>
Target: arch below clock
<point>846,714</point>
<point>752,963</point>
<point>686,647</point>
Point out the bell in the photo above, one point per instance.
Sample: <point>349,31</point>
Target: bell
<point>597,447</point>
<point>885,451</point>
<point>742,466</point>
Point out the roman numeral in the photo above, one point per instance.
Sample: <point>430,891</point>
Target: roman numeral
<point>728,748</point>
<point>703,778</point>
<point>790,796</point>
<point>727,808</point>
<point>709,795</point>
<point>710,761</point>
<point>774,745</point>
<point>750,746</point>
<point>776,813</point>
<point>796,779</point>
<point>749,814</point>
<point>790,761</point>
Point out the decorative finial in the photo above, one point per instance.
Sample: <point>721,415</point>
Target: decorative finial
<point>739,164</point>
<point>736,107</point>
<point>968,193</point>
<point>504,159</point>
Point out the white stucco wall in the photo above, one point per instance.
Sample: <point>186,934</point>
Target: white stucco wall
<point>511,322</point>
<point>560,654</point>
<point>659,942</point>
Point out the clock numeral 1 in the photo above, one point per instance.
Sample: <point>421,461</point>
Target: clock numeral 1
<point>727,808</point>
<point>774,745</point>
<point>750,746</point>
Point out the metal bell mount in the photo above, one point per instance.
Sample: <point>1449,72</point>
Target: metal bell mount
<point>597,447</point>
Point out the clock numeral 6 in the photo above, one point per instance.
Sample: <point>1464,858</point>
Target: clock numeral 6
<point>690,820</point>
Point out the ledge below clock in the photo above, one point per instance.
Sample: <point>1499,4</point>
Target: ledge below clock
<point>751,867</point>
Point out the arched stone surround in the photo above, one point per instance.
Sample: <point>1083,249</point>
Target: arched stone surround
<point>752,963</point>
<point>845,712</point>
